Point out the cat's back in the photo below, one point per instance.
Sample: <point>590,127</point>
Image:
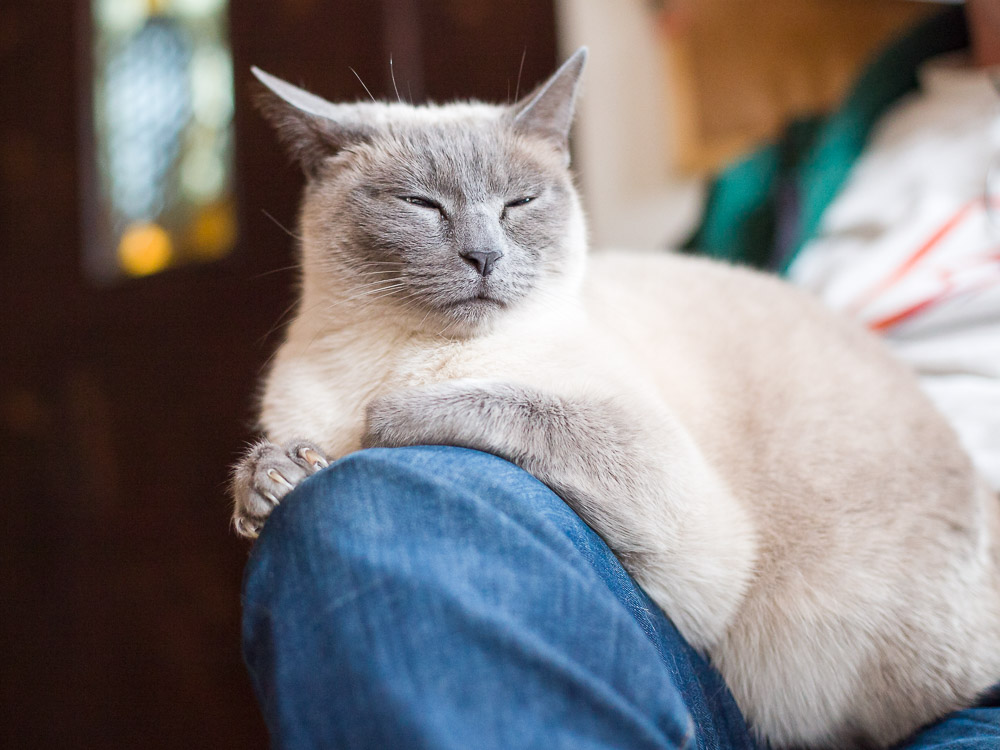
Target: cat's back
<point>794,404</point>
<point>705,325</point>
<point>872,520</point>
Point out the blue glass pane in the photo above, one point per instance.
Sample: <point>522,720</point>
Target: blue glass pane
<point>163,129</point>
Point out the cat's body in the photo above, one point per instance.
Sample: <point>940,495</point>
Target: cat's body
<point>776,482</point>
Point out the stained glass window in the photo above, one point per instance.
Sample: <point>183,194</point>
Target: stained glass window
<point>162,114</point>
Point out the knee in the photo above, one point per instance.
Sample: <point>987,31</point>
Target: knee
<point>431,567</point>
<point>380,489</point>
<point>420,524</point>
<point>403,498</point>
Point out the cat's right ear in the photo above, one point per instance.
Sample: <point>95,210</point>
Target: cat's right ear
<point>312,128</point>
<point>547,112</point>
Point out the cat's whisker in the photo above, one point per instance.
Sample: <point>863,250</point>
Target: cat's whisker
<point>405,302</point>
<point>408,301</point>
<point>339,271</point>
<point>424,319</point>
<point>329,307</point>
<point>281,226</point>
<point>381,267</point>
<point>327,310</point>
<point>517,89</point>
<point>391,287</point>
<point>442,334</point>
<point>372,280</point>
<point>370,273</point>
<point>414,293</point>
<point>368,296</point>
<point>278,323</point>
<point>362,83</point>
<point>392,75</point>
<point>386,284</point>
<point>374,294</point>
<point>293,267</point>
<point>377,280</point>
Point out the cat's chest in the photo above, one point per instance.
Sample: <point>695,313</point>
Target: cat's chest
<point>319,392</point>
<point>556,358</point>
<point>420,365</point>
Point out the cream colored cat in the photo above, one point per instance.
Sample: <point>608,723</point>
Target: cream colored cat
<point>765,470</point>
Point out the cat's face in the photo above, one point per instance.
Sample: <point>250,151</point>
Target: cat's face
<point>454,221</point>
<point>448,216</point>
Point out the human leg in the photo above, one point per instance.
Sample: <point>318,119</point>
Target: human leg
<point>440,597</point>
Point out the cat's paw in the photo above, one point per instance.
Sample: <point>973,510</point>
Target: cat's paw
<point>266,473</point>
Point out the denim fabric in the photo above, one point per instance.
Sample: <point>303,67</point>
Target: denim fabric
<point>975,728</point>
<point>972,729</point>
<point>437,597</point>
<point>443,598</point>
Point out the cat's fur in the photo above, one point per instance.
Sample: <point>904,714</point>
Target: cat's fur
<point>767,472</point>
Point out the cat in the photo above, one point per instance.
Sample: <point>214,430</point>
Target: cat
<point>770,475</point>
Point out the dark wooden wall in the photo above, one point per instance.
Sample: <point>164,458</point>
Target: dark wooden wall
<point>121,407</point>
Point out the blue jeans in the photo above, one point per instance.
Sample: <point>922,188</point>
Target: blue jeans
<point>436,597</point>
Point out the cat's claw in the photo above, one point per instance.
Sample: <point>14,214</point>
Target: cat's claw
<point>266,473</point>
<point>311,455</point>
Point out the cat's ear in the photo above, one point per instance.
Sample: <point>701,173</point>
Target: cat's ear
<point>312,128</point>
<point>547,112</point>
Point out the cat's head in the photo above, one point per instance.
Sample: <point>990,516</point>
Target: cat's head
<point>442,216</point>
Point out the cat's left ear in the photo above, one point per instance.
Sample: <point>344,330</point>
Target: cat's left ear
<point>312,128</point>
<point>547,112</point>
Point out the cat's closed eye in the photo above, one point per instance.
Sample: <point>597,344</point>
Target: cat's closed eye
<point>417,200</point>
<point>519,202</point>
<point>515,203</point>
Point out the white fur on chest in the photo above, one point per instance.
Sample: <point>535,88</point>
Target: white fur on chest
<point>320,383</point>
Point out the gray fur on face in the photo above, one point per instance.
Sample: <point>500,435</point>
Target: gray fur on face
<point>456,213</point>
<point>420,200</point>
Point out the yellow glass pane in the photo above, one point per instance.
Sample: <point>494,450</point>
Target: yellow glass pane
<point>144,249</point>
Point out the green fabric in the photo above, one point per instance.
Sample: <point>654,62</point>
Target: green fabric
<point>810,163</point>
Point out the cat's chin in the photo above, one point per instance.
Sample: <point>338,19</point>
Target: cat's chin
<point>478,305</point>
<point>469,317</point>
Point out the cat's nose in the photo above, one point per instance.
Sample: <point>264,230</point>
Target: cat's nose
<point>483,260</point>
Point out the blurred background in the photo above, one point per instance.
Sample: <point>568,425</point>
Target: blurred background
<point>146,268</point>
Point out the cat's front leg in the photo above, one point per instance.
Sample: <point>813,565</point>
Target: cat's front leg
<point>266,473</point>
<point>638,480</point>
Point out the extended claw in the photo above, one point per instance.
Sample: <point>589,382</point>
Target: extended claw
<point>277,477</point>
<point>245,527</point>
<point>266,474</point>
<point>313,458</point>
